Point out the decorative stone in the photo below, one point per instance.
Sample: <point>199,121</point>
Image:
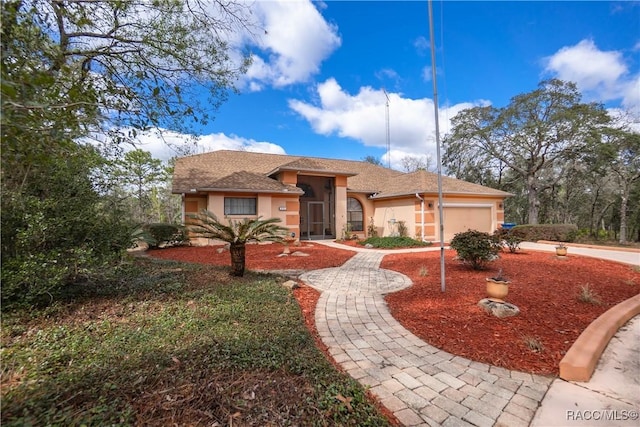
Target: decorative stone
<point>499,309</point>
<point>368,245</point>
<point>291,284</point>
<point>298,253</point>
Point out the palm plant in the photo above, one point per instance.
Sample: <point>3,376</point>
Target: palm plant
<point>237,233</point>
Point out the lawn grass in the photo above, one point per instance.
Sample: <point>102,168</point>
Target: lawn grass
<point>163,343</point>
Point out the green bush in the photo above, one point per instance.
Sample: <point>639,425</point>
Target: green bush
<point>476,248</point>
<point>555,232</point>
<point>393,242</point>
<point>509,238</point>
<point>166,235</point>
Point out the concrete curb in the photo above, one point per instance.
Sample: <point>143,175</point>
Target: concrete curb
<point>581,359</point>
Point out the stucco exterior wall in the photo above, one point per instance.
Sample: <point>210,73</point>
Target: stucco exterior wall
<point>388,210</point>
<point>483,213</point>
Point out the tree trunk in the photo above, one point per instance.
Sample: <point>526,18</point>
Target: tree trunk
<point>237,251</point>
<point>623,215</point>
<point>533,203</point>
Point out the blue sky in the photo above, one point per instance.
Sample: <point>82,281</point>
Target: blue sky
<point>316,84</point>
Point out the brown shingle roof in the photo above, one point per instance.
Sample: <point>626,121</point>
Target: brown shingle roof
<point>242,170</point>
<point>426,182</point>
<point>250,181</point>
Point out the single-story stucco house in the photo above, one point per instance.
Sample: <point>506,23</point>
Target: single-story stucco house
<point>319,198</point>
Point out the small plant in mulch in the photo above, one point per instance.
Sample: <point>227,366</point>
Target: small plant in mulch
<point>588,296</point>
<point>500,277</point>
<point>476,248</point>
<point>533,343</point>
<point>424,271</point>
<point>372,230</point>
<point>510,238</point>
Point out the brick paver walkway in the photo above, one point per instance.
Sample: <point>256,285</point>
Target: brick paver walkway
<point>421,385</point>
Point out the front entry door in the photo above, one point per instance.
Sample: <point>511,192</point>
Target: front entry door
<point>315,220</point>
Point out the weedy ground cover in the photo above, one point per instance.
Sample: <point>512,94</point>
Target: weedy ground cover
<point>157,343</point>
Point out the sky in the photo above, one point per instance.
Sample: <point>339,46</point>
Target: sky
<point>322,72</point>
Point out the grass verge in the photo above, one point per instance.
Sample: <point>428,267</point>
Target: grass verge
<point>162,343</point>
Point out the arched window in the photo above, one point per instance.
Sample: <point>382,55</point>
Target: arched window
<point>354,214</point>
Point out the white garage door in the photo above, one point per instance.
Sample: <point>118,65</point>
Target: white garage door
<point>457,219</point>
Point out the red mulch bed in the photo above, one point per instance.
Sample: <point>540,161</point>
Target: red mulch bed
<point>544,288</point>
<point>261,257</point>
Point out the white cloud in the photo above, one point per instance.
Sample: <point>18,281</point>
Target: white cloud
<point>600,75</point>
<point>427,74</point>
<point>296,40</point>
<point>362,117</point>
<point>422,45</point>
<point>164,144</point>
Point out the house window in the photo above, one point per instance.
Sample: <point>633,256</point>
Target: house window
<point>354,214</point>
<point>240,206</point>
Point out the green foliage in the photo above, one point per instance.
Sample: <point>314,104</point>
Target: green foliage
<point>159,336</point>
<point>393,242</point>
<point>166,235</point>
<point>529,147</point>
<point>555,232</point>
<point>236,232</point>
<point>56,227</point>
<point>144,180</point>
<point>206,225</point>
<point>509,238</point>
<point>476,248</point>
<point>77,60</point>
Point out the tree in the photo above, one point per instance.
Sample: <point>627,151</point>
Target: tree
<point>534,136</point>
<point>373,160</point>
<point>58,228</point>
<point>623,149</point>
<point>139,173</point>
<point>236,233</point>
<point>72,70</point>
<point>416,163</point>
<point>131,65</point>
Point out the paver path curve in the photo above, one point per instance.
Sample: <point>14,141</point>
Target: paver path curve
<point>420,384</point>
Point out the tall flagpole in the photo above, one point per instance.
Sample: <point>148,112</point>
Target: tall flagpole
<point>435,109</point>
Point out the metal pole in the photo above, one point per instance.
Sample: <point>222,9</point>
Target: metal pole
<point>435,109</point>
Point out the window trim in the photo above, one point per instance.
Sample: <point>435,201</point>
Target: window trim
<point>360,211</point>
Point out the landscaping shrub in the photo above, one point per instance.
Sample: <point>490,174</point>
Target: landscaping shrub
<point>556,232</point>
<point>476,248</point>
<point>372,231</point>
<point>509,238</point>
<point>393,242</point>
<point>403,231</point>
<point>166,234</point>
